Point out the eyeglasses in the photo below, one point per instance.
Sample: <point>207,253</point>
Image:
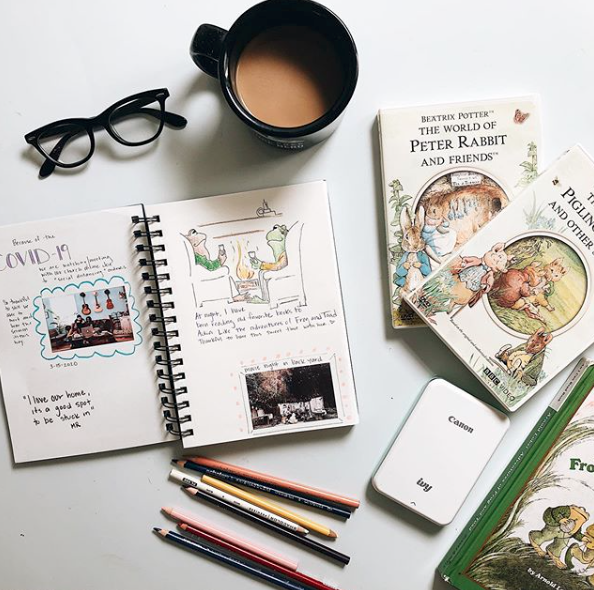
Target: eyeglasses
<point>136,120</point>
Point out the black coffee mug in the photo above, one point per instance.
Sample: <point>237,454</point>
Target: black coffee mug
<point>216,52</point>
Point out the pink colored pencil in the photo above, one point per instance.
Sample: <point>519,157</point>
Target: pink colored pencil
<point>271,479</point>
<point>231,538</point>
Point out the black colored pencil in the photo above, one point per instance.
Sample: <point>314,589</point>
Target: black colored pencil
<point>278,487</point>
<point>311,543</point>
<point>268,488</point>
<point>230,559</point>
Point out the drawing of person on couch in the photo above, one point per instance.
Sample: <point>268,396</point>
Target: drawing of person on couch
<point>201,254</point>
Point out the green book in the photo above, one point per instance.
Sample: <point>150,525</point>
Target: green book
<point>535,529</point>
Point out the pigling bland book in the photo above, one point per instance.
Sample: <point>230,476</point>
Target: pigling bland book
<point>515,303</point>
<point>447,171</point>
<point>535,529</point>
<point>213,319</point>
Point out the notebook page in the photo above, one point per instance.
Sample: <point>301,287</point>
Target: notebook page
<point>77,368</point>
<point>259,311</point>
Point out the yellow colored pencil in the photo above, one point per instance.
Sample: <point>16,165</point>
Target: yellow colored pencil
<point>274,508</point>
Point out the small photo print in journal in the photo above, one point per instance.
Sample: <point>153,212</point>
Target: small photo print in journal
<point>88,318</point>
<point>290,397</point>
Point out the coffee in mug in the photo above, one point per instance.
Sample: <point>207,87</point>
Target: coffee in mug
<point>287,68</point>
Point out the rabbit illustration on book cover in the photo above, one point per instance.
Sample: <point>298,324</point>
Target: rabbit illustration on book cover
<point>525,361</point>
<point>439,237</point>
<point>414,265</point>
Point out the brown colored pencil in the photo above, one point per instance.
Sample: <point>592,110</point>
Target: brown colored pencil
<point>285,483</point>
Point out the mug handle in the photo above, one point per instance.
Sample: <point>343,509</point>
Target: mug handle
<point>206,48</point>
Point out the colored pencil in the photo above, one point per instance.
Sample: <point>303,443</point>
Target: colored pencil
<point>231,538</point>
<point>268,488</point>
<point>232,560</point>
<point>305,541</point>
<point>271,479</point>
<point>275,486</point>
<point>186,479</point>
<point>270,506</point>
<point>298,576</point>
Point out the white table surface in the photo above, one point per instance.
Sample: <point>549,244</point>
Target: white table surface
<point>85,523</point>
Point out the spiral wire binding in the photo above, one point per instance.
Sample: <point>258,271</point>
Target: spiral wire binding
<point>164,331</point>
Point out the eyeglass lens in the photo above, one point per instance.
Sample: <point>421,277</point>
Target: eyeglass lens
<point>138,120</point>
<point>67,143</point>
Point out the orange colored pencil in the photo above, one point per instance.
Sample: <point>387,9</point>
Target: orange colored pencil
<point>271,479</point>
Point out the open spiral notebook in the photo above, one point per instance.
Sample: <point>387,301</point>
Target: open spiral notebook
<point>214,319</point>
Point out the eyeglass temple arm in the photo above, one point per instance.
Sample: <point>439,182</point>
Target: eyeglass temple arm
<point>173,120</point>
<point>48,166</point>
<point>168,118</point>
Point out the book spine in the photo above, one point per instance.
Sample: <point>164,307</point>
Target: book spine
<point>153,262</point>
<point>570,383</point>
<point>385,198</point>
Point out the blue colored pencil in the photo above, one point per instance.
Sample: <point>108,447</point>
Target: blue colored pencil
<point>230,559</point>
<point>247,482</point>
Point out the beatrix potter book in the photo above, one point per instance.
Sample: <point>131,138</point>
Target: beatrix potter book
<point>447,171</point>
<point>535,528</point>
<point>515,303</point>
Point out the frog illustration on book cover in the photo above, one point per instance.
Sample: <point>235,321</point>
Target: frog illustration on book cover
<point>545,539</point>
<point>448,171</point>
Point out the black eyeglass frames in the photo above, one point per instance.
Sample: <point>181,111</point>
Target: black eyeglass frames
<point>133,121</point>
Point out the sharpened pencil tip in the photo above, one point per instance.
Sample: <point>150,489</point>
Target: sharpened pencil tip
<point>159,531</point>
<point>167,510</point>
<point>190,490</point>
<point>332,534</point>
<point>156,529</point>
